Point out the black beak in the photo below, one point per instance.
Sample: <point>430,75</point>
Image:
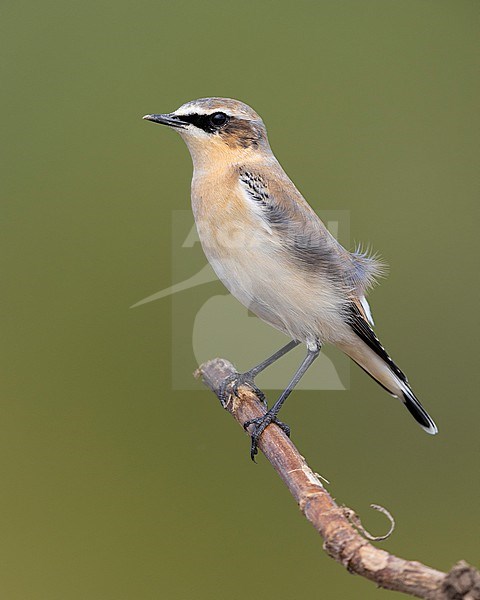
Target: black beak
<point>170,120</point>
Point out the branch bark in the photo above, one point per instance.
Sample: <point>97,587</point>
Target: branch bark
<point>342,541</point>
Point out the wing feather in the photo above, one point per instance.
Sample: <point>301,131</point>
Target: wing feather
<point>309,243</point>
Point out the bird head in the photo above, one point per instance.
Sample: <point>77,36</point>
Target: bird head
<point>216,128</point>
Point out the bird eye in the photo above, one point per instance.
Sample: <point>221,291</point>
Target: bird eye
<point>218,119</point>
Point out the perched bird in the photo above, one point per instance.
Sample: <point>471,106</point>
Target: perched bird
<point>274,254</point>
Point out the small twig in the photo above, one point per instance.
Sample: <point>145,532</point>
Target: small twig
<point>341,540</point>
<point>356,522</point>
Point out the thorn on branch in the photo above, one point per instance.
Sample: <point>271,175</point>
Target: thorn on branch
<point>357,523</point>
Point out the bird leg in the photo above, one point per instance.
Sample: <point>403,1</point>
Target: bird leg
<point>247,378</point>
<point>261,423</point>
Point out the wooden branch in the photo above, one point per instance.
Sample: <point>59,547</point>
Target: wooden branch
<point>342,541</point>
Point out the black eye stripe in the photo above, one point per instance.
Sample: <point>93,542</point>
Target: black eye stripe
<point>201,121</point>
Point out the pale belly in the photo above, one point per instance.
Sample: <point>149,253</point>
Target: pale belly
<point>255,268</point>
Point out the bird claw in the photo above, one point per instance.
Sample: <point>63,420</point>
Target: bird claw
<point>261,423</point>
<point>233,382</point>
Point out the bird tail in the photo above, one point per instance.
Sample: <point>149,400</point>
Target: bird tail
<point>417,411</point>
<point>394,385</point>
<point>367,351</point>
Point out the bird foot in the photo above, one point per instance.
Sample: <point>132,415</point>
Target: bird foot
<point>233,382</point>
<point>261,423</point>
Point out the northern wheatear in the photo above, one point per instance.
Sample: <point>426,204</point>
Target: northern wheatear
<point>274,254</point>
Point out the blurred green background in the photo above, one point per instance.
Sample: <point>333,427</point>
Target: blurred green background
<point>115,487</point>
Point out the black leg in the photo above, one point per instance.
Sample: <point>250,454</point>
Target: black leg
<point>269,361</point>
<point>247,378</point>
<point>261,423</point>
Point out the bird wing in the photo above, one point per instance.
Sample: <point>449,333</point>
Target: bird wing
<point>287,215</point>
